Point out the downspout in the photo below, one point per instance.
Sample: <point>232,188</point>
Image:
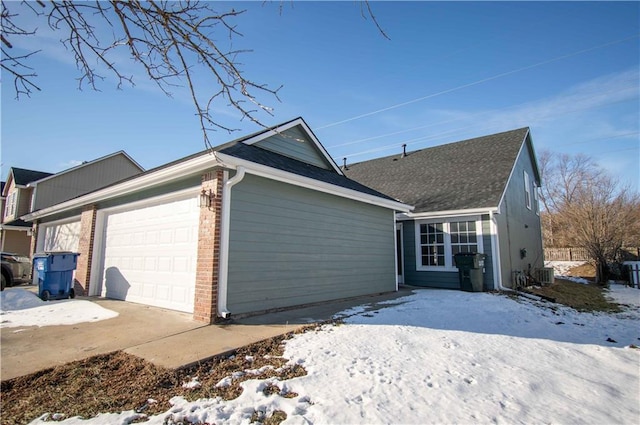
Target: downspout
<point>395,247</point>
<point>497,270</point>
<point>224,242</point>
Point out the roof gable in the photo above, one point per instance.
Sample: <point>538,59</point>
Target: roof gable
<point>471,174</point>
<point>294,139</point>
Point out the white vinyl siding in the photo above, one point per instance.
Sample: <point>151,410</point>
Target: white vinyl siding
<point>439,240</point>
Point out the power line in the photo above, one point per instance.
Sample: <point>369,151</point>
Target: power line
<point>484,80</point>
<point>458,129</point>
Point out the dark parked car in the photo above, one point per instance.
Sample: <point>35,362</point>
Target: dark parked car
<point>16,269</point>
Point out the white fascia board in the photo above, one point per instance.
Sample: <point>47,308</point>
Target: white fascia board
<point>446,214</point>
<point>164,175</point>
<point>309,183</point>
<point>287,126</point>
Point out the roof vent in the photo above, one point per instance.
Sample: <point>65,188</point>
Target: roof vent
<point>404,150</point>
<point>344,164</point>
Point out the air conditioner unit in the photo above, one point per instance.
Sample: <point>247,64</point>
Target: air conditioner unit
<point>544,275</point>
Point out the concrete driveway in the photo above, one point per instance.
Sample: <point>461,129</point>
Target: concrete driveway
<point>26,350</point>
<point>165,337</point>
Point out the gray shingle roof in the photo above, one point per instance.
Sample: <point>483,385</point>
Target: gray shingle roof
<point>23,177</point>
<point>463,175</point>
<point>281,162</point>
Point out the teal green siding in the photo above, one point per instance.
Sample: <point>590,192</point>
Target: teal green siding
<point>294,143</point>
<point>436,279</point>
<point>291,246</point>
<point>519,227</point>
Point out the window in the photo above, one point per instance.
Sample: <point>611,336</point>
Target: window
<point>439,240</point>
<point>463,237</point>
<point>527,190</point>
<point>10,208</point>
<point>536,199</point>
<point>432,242</point>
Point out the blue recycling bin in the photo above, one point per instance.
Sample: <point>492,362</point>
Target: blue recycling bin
<point>53,272</point>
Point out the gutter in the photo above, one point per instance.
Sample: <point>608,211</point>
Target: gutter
<point>223,280</point>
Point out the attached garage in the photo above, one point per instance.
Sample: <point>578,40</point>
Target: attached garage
<point>150,253</point>
<point>264,222</point>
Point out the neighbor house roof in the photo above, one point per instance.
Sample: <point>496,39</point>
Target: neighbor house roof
<point>471,174</point>
<point>23,177</point>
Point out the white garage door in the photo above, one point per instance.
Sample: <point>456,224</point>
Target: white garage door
<point>150,254</point>
<point>59,237</point>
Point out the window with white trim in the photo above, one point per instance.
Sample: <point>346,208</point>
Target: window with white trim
<point>10,208</point>
<point>432,244</point>
<point>536,199</point>
<point>527,190</point>
<point>438,241</point>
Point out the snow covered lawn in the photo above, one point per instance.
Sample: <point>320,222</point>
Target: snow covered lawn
<point>448,357</point>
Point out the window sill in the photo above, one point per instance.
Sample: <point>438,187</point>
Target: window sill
<point>436,269</point>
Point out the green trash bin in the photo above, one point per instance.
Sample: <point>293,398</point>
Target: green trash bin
<point>470,274</point>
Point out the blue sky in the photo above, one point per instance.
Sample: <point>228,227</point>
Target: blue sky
<point>451,71</point>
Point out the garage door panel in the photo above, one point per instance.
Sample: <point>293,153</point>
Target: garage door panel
<point>155,251</point>
<point>60,237</point>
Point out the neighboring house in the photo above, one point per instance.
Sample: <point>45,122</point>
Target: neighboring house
<point>16,233</point>
<point>265,222</point>
<point>478,195</point>
<point>27,191</point>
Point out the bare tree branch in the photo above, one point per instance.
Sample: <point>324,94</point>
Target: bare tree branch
<point>169,40</point>
<point>172,41</point>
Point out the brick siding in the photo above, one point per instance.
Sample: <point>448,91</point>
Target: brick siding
<point>85,248</point>
<point>206,290</point>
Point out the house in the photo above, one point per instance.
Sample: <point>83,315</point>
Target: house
<point>267,221</point>
<point>478,195</point>
<point>16,233</point>
<point>27,190</point>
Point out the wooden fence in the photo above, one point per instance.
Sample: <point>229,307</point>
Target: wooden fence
<point>580,254</point>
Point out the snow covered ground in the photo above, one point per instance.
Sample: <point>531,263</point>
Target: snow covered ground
<point>448,357</point>
<point>20,307</point>
<point>561,268</point>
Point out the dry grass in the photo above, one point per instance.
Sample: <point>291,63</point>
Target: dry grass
<point>582,297</point>
<point>117,382</point>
